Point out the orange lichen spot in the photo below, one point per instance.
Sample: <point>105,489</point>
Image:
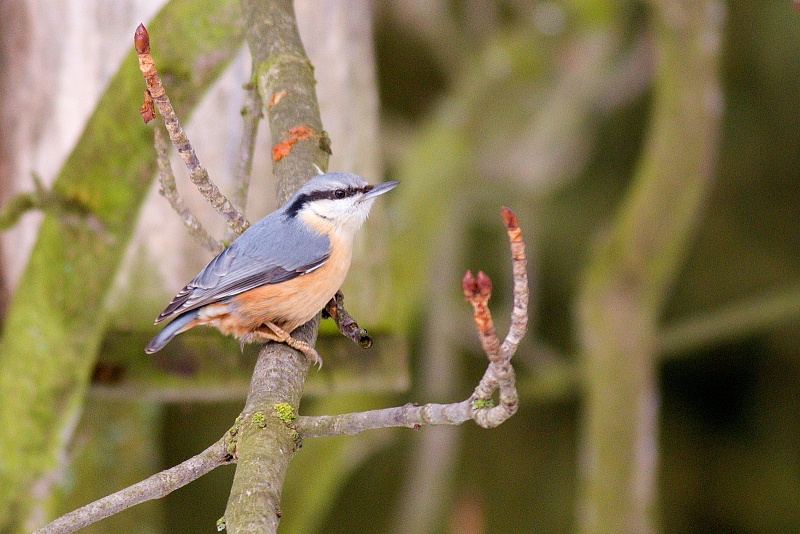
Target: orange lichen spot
<point>302,132</point>
<point>282,149</point>
<point>296,133</point>
<point>275,98</point>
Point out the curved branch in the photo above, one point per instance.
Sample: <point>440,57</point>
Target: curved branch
<point>345,322</point>
<point>499,375</point>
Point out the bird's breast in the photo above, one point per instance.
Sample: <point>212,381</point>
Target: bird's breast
<point>294,302</point>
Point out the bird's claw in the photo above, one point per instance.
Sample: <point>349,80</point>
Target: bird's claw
<point>280,335</point>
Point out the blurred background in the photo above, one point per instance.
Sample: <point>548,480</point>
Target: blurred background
<point>649,150</point>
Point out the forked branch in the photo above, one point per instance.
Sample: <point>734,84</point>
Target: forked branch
<point>155,94</point>
<point>498,377</point>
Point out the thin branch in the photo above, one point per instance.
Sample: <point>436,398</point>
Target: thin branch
<point>251,117</point>
<point>730,322</point>
<point>345,322</point>
<point>499,374</point>
<point>169,191</point>
<point>42,199</point>
<point>16,207</point>
<point>409,416</point>
<point>197,173</point>
<point>155,487</point>
<point>519,264</point>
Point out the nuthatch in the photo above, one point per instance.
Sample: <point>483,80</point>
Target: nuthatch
<point>282,270</point>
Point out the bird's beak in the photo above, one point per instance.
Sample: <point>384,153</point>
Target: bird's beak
<point>381,188</point>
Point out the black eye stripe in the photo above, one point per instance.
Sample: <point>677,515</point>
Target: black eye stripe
<point>304,199</point>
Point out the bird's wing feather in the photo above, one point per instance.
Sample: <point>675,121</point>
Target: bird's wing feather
<point>256,258</point>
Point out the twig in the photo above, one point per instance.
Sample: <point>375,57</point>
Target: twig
<point>40,198</point>
<point>155,487</point>
<point>251,116</point>
<point>499,374</point>
<point>345,322</point>
<point>168,189</point>
<point>198,174</point>
<point>18,206</point>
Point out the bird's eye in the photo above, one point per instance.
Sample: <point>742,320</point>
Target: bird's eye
<point>339,193</point>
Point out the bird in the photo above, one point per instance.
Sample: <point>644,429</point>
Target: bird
<point>282,270</point>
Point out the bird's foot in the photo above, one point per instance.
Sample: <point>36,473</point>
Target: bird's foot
<point>273,332</point>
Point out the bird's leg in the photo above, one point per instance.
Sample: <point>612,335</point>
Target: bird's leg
<point>276,333</point>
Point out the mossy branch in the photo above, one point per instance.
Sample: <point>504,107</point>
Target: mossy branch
<point>42,199</point>
<point>629,276</point>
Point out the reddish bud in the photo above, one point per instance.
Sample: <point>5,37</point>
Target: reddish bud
<point>141,40</point>
<point>509,218</point>
<point>468,285</point>
<point>484,285</point>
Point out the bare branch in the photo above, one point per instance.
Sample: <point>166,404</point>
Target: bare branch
<point>345,322</point>
<point>251,116</point>
<point>168,189</point>
<point>197,173</point>
<point>499,375</point>
<point>44,199</point>
<point>409,416</point>
<point>155,487</point>
<point>519,265</point>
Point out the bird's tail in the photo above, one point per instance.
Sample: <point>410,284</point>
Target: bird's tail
<point>171,330</point>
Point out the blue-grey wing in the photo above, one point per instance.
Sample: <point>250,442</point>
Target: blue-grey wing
<point>259,256</point>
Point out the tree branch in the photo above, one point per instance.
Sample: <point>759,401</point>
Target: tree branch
<point>155,487</point>
<point>628,278</point>
<point>169,191</point>
<point>345,322</point>
<point>155,94</point>
<point>499,375</point>
<point>44,199</point>
<point>251,116</point>
<point>285,80</point>
<point>52,330</point>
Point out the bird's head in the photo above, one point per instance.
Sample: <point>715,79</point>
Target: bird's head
<point>335,202</point>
